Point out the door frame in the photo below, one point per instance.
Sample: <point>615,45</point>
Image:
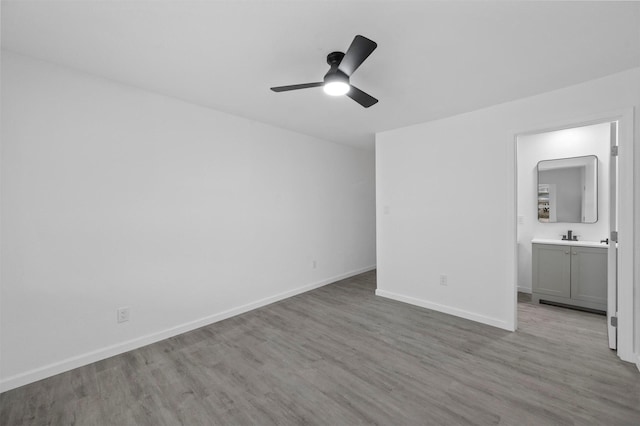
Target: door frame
<point>625,118</point>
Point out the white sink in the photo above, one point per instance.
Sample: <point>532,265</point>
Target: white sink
<point>570,243</point>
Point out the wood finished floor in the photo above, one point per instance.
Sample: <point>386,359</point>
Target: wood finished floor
<point>339,355</point>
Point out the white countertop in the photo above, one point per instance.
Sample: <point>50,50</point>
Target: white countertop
<point>570,243</point>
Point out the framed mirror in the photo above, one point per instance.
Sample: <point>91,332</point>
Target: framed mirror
<point>568,190</point>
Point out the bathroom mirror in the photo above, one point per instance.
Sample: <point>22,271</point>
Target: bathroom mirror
<point>568,190</point>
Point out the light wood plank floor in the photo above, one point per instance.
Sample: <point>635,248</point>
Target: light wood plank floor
<point>339,355</point>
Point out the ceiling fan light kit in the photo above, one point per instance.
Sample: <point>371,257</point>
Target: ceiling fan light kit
<point>336,84</point>
<point>342,65</point>
<point>336,88</point>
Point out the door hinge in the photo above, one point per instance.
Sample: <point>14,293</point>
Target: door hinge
<point>614,151</point>
<point>614,321</point>
<point>614,236</point>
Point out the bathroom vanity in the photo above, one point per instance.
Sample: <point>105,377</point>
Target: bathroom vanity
<point>570,272</point>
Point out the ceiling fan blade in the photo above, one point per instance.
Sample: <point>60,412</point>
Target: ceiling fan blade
<point>360,49</point>
<point>361,97</point>
<point>296,87</point>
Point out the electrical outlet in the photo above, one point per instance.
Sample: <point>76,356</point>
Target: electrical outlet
<point>520,220</point>
<point>443,279</point>
<point>123,314</point>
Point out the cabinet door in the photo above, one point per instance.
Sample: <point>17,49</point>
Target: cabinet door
<point>552,270</point>
<point>589,274</point>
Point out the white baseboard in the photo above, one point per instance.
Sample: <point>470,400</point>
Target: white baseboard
<point>446,309</point>
<point>119,348</point>
<point>524,290</point>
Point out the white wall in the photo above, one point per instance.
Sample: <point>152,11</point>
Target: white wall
<point>532,148</point>
<point>112,196</point>
<point>445,195</point>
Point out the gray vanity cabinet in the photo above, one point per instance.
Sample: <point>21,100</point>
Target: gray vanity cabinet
<point>572,275</point>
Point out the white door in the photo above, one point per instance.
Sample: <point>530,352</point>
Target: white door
<point>612,264</point>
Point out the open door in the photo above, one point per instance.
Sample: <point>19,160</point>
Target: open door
<point>612,264</point>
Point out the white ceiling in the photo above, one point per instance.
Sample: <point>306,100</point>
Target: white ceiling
<point>434,59</point>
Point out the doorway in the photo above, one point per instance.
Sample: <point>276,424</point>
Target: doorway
<point>591,137</point>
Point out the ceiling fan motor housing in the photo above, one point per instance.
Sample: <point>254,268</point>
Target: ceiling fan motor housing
<point>334,74</point>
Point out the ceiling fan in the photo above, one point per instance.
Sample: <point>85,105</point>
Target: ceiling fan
<point>336,80</point>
